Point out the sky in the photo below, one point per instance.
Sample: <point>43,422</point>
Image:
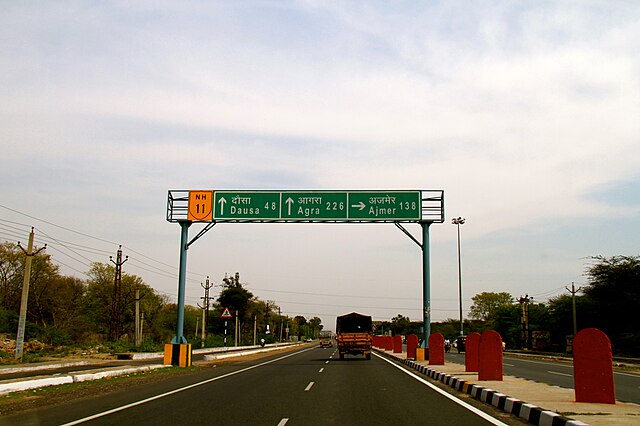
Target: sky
<point>526,114</point>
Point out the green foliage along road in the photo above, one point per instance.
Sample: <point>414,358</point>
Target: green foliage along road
<point>68,311</point>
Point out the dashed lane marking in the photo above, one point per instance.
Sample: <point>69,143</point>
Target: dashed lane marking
<point>560,374</point>
<point>153,398</point>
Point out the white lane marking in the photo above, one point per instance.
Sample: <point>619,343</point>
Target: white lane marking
<point>542,362</point>
<point>445,394</point>
<point>560,374</point>
<point>327,362</point>
<point>153,398</point>
<point>627,374</point>
<point>556,365</point>
<point>508,365</point>
<point>283,422</point>
<point>321,370</point>
<point>308,386</point>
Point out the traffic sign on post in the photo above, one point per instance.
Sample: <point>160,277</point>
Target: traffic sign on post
<point>416,206</point>
<point>317,206</point>
<point>384,205</point>
<point>200,206</point>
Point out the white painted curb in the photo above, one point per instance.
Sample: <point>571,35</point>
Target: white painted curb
<point>6,388</point>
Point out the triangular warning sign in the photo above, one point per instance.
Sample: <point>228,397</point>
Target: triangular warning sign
<point>226,314</point>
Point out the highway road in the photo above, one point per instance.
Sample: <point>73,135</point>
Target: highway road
<point>309,386</point>
<point>627,385</point>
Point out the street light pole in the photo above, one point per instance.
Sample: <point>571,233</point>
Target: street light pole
<point>459,221</point>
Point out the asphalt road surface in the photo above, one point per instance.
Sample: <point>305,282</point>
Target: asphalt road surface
<point>307,387</point>
<point>627,385</point>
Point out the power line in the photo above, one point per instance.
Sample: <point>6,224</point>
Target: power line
<point>58,226</point>
<point>63,245</point>
<point>338,295</point>
<point>95,238</point>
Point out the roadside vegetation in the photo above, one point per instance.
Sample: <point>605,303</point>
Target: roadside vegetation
<point>609,301</point>
<point>69,316</point>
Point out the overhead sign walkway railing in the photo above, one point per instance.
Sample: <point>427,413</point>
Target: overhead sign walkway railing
<point>305,206</point>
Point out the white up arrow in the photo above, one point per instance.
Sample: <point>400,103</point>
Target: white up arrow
<point>289,202</point>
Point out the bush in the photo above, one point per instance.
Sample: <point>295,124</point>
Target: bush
<point>8,321</point>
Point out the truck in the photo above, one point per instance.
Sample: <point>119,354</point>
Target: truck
<point>326,338</point>
<point>354,334</point>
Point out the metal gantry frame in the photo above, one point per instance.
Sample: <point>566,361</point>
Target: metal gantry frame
<point>432,211</point>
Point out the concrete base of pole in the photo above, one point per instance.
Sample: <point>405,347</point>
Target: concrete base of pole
<point>178,354</point>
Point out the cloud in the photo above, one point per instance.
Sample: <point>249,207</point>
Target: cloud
<point>525,114</point>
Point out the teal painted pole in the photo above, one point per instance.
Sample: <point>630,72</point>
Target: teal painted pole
<point>182,278</point>
<point>426,282</point>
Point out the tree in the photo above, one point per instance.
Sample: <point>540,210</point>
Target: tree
<point>613,287</point>
<point>400,325</point>
<point>560,313</point>
<point>99,298</point>
<point>41,293</point>
<point>315,325</point>
<point>11,276</point>
<point>486,304</point>
<point>300,322</point>
<point>234,296</point>
<point>99,307</point>
<point>507,321</point>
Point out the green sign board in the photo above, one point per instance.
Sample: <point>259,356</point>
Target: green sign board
<point>316,205</point>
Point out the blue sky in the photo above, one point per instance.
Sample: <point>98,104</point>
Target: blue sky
<point>525,114</point>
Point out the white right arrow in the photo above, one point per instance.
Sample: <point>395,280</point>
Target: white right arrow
<point>222,202</point>
<point>360,205</point>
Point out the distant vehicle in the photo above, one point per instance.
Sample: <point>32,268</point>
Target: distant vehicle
<point>326,339</point>
<point>354,334</point>
<point>459,343</point>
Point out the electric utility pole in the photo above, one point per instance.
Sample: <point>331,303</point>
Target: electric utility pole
<point>22,321</point>
<point>138,321</point>
<point>524,304</point>
<point>117,290</point>
<point>236,328</point>
<point>255,328</point>
<point>573,292</point>
<point>205,309</point>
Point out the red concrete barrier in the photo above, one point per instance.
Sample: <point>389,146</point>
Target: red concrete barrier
<point>593,367</point>
<point>388,343</point>
<point>436,349</point>
<point>472,352</point>
<point>490,359</point>
<point>412,344</point>
<point>397,344</point>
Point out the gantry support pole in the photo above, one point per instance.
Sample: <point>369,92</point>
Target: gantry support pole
<point>184,236</point>
<point>426,283</point>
